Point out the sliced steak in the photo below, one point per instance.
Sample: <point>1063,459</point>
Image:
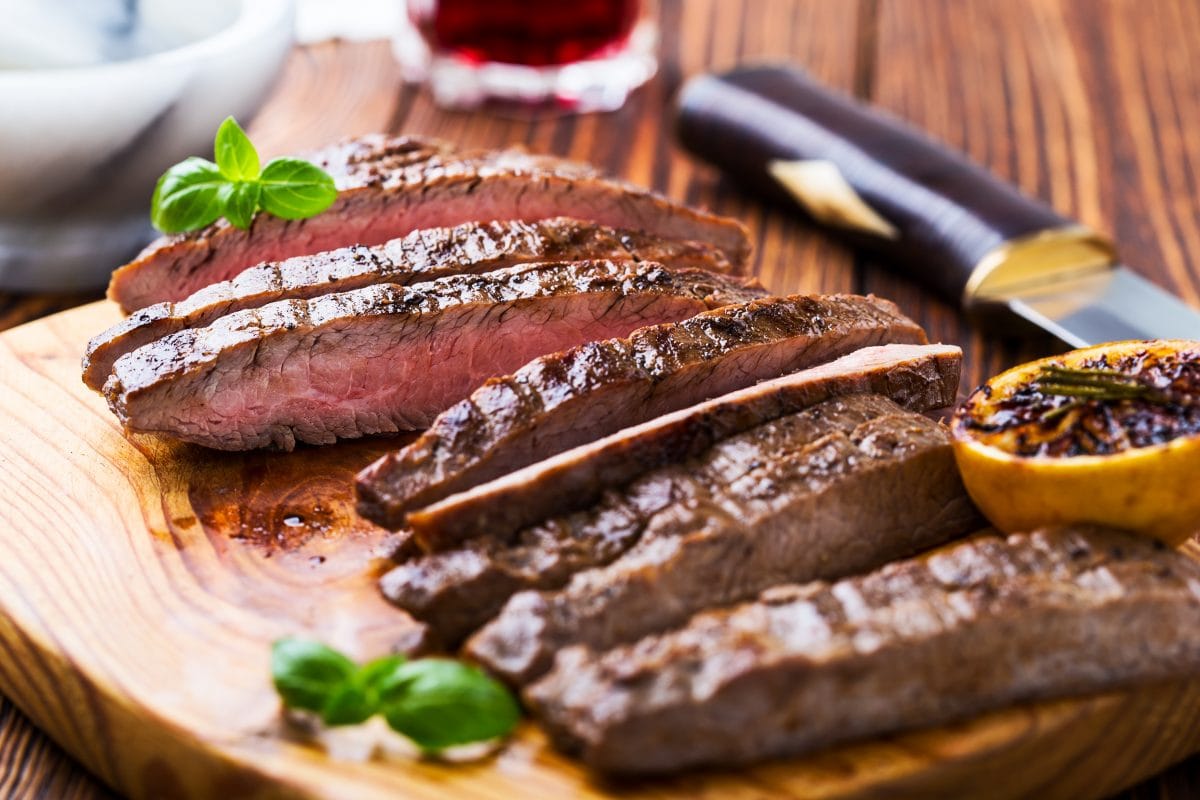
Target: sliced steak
<point>571,398</point>
<point>800,498</point>
<point>389,187</point>
<point>919,377</point>
<point>977,626</point>
<point>386,358</point>
<point>421,256</point>
<point>456,591</point>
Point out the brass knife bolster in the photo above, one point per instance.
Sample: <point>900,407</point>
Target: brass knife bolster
<point>929,211</point>
<point>1036,260</point>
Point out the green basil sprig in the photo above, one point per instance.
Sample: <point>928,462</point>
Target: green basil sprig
<point>435,702</point>
<point>195,192</point>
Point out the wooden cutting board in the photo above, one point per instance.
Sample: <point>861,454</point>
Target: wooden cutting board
<point>141,584</point>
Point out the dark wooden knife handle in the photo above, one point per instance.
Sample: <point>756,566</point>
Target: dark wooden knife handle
<point>946,213</point>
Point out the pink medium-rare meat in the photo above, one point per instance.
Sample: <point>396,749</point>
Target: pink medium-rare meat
<point>420,256</point>
<point>567,399</point>
<point>389,187</point>
<point>387,358</point>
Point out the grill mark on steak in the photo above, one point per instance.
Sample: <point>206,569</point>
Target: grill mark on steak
<point>976,626</point>
<point>456,591</point>
<point>567,399</point>
<point>420,256</point>
<point>385,358</point>
<point>919,377</point>
<point>389,187</point>
<point>839,488</point>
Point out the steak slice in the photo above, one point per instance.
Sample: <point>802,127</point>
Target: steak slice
<point>386,358</point>
<point>421,256</point>
<point>389,187</point>
<point>796,499</point>
<point>568,399</point>
<point>919,377</point>
<point>456,591</point>
<point>976,626</point>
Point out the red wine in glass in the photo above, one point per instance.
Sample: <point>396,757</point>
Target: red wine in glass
<point>536,33</point>
<point>584,55</point>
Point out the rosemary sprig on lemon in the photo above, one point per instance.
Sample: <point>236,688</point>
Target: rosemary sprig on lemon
<point>1108,435</point>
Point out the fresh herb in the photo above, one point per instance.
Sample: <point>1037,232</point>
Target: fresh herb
<point>437,703</point>
<point>1096,384</point>
<point>195,192</point>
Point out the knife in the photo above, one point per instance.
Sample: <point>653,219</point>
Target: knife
<point>944,220</point>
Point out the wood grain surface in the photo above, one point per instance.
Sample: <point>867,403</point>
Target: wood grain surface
<point>1090,105</point>
<point>143,582</point>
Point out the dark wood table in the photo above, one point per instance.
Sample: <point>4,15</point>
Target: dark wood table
<point>1093,105</point>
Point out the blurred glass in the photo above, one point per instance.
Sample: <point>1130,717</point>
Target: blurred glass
<point>573,55</point>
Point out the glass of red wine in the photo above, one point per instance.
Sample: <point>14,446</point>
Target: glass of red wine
<point>573,55</point>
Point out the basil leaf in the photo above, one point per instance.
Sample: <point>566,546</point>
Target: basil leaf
<point>439,703</point>
<point>236,157</point>
<point>195,192</point>
<point>348,704</point>
<point>187,196</point>
<point>239,201</point>
<point>295,189</point>
<point>309,675</point>
<point>376,674</point>
<point>357,699</point>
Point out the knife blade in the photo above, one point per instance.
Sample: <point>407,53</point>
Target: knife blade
<point>931,212</point>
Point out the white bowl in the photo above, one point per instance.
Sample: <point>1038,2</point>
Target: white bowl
<point>82,147</point>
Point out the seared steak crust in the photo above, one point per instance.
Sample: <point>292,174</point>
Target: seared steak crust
<point>919,377</point>
<point>567,399</point>
<point>839,488</point>
<point>386,358</point>
<point>389,187</point>
<point>420,256</point>
<point>974,627</point>
<point>456,591</point>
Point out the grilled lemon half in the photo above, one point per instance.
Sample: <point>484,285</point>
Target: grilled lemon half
<point>1108,435</point>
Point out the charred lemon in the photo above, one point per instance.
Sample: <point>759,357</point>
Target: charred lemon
<point>1107,434</point>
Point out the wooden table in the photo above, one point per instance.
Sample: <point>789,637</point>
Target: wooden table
<point>1093,106</point>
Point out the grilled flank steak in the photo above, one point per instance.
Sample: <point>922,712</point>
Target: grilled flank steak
<point>458,590</point>
<point>423,255</point>
<point>390,186</point>
<point>976,626</point>
<point>567,399</point>
<point>918,377</point>
<point>387,358</point>
<point>835,489</point>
